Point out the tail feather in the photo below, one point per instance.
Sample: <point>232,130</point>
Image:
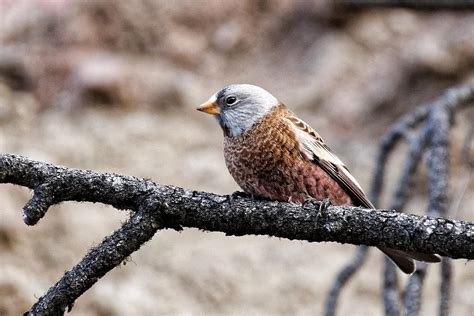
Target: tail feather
<point>425,257</point>
<point>405,260</point>
<point>405,263</point>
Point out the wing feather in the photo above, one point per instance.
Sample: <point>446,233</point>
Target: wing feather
<point>314,148</point>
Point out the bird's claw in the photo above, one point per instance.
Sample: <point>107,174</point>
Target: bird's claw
<point>239,194</point>
<point>324,204</point>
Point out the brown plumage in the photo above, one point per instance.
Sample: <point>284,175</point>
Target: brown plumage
<point>267,161</point>
<point>271,153</point>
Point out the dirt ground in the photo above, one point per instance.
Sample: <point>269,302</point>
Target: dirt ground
<point>112,86</point>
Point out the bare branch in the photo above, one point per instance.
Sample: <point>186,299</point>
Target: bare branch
<point>391,297</point>
<point>445,290</point>
<point>156,206</point>
<point>113,250</point>
<point>312,221</point>
<point>446,264</point>
<point>453,99</point>
<point>438,177</point>
<point>390,140</point>
<point>344,275</point>
<point>414,290</point>
<point>405,183</point>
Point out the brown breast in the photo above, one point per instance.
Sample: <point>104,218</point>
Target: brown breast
<point>266,162</point>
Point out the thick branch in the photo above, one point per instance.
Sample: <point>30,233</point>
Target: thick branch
<point>110,253</point>
<point>156,206</point>
<point>312,221</point>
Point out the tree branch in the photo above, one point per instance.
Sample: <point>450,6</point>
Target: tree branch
<point>312,221</point>
<point>344,275</point>
<point>414,289</point>
<point>428,116</point>
<point>390,294</point>
<point>156,206</point>
<point>113,250</point>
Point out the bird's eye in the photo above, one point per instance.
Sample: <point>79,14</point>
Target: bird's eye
<point>230,100</point>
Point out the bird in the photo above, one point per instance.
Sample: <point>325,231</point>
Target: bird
<point>273,154</point>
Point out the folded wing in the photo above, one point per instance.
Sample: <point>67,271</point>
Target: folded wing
<point>313,148</point>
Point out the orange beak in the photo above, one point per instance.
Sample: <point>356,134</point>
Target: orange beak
<point>209,108</point>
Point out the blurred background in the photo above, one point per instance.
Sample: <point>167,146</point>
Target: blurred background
<point>113,86</point>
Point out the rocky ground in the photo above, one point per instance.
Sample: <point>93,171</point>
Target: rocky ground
<point>113,88</point>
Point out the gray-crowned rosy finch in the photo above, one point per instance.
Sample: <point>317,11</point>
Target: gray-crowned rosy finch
<point>273,154</point>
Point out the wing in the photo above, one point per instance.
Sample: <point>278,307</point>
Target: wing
<point>313,147</point>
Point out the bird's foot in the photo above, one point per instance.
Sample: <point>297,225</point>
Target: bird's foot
<point>290,200</point>
<point>240,194</point>
<point>324,204</point>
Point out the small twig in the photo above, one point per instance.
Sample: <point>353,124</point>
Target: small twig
<point>413,290</point>
<point>438,176</point>
<point>169,206</point>
<point>388,144</point>
<point>439,110</point>
<point>445,289</point>
<point>343,276</point>
<point>412,160</point>
<point>437,130</point>
<point>101,259</point>
<point>155,206</point>
<point>398,132</point>
<point>389,141</point>
<point>400,197</point>
<point>390,295</point>
<point>438,126</point>
<point>453,99</point>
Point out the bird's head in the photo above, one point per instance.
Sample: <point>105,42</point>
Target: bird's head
<point>238,107</point>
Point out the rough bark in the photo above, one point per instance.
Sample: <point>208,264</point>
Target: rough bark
<point>156,206</point>
<point>235,215</point>
<point>432,137</point>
